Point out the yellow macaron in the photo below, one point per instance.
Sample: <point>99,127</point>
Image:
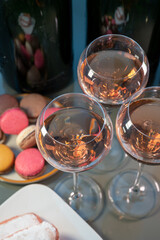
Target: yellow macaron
<point>6,159</point>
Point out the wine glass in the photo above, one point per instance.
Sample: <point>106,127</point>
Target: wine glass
<point>137,194</point>
<point>74,133</point>
<point>112,68</point>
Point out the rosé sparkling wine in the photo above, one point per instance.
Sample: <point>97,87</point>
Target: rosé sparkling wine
<point>111,76</point>
<point>143,141</point>
<point>76,138</point>
<point>74,133</point>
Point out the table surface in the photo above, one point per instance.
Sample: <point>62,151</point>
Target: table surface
<point>109,225</point>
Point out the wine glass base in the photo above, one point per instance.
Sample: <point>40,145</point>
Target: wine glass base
<point>134,205</point>
<point>89,202</point>
<point>114,159</point>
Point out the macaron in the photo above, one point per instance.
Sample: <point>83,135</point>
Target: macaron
<point>26,138</point>
<point>33,104</point>
<point>50,111</point>
<point>29,163</point>
<point>13,121</point>
<point>6,159</point>
<point>7,101</point>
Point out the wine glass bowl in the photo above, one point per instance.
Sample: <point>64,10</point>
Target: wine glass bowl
<point>138,127</point>
<point>74,133</point>
<point>132,194</point>
<point>112,68</point>
<point>74,136</point>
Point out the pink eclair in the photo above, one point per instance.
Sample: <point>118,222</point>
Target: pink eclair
<point>29,163</point>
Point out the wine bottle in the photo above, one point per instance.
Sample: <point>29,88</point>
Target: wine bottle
<point>41,33</point>
<point>138,19</point>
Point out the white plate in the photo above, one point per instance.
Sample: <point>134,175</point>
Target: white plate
<point>47,204</point>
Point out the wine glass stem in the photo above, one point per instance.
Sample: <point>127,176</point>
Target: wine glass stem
<point>135,192</point>
<point>75,184</point>
<point>75,196</point>
<point>135,186</point>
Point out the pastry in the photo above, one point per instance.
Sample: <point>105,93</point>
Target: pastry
<point>26,138</point>
<point>7,101</point>
<point>17,223</point>
<point>43,230</point>
<point>33,104</point>
<point>6,159</point>
<point>29,163</point>
<point>13,121</point>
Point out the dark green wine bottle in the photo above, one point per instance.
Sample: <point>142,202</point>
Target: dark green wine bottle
<point>41,33</point>
<point>138,19</point>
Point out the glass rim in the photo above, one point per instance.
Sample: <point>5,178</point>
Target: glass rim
<point>104,112</point>
<point>120,36</point>
<point>133,99</point>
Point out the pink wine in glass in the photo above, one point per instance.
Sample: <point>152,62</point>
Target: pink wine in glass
<point>143,141</point>
<point>74,133</point>
<point>74,139</point>
<point>111,76</point>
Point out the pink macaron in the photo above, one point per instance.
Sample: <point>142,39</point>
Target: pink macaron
<point>13,121</point>
<point>50,111</point>
<point>29,163</point>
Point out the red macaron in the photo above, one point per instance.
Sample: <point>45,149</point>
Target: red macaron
<point>13,121</point>
<point>29,163</point>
